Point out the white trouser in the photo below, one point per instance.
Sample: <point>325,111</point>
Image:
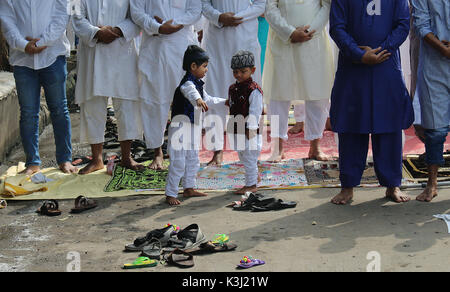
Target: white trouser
<point>299,112</point>
<point>93,115</point>
<point>316,114</point>
<point>154,120</point>
<point>248,152</point>
<point>184,161</point>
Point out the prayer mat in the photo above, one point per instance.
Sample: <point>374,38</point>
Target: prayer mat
<point>128,179</point>
<point>415,168</point>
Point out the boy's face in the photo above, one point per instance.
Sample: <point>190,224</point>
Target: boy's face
<point>199,71</point>
<point>243,74</point>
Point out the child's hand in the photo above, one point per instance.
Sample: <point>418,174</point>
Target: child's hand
<point>374,56</point>
<point>202,105</point>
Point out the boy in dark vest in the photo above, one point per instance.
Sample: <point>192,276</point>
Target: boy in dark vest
<point>245,99</point>
<point>189,101</point>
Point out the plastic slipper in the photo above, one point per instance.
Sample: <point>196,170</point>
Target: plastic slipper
<point>76,161</point>
<point>152,250</point>
<point>82,204</point>
<point>188,238</point>
<point>3,204</point>
<point>49,208</point>
<point>163,235</point>
<point>254,200</point>
<point>141,262</point>
<point>275,205</point>
<point>180,259</point>
<point>249,261</point>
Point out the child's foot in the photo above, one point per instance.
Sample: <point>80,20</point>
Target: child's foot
<point>172,201</point>
<point>92,166</point>
<point>396,195</point>
<point>217,159</point>
<point>67,167</point>
<point>189,193</point>
<point>345,196</point>
<point>131,164</point>
<point>428,194</point>
<point>30,170</point>
<point>242,191</point>
<point>297,128</point>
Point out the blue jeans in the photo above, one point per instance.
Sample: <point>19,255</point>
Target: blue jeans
<point>434,145</point>
<point>28,85</point>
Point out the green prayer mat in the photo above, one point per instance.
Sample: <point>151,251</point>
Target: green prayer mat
<point>128,179</point>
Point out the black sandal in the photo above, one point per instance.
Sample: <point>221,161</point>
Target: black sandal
<point>82,204</point>
<point>49,208</point>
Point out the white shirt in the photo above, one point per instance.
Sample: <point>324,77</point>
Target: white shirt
<point>46,20</point>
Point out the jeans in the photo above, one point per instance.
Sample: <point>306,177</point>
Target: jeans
<point>434,145</point>
<point>28,85</point>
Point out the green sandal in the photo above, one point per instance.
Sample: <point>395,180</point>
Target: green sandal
<point>141,262</point>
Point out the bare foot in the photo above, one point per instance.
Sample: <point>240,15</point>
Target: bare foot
<point>131,164</point>
<point>276,157</point>
<point>428,194</point>
<point>67,167</point>
<point>172,201</point>
<point>30,170</point>
<point>396,195</point>
<point>157,163</point>
<point>297,128</point>
<point>318,155</point>
<point>345,196</point>
<point>217,159</point>
<point>242,191</point>
<point>189,193</point>
<point>92,166</point>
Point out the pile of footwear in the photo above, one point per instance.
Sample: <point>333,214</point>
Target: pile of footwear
<point>174,246</point>
<point>260,203</point>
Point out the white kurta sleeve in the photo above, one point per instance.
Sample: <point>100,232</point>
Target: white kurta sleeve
<point>13,36</point>
<point>82,27</point>
<point>212,101</point>
<point>192,15</point>
<point>322,17</point>
<point>254,10</point>
<point>58,24</point>
<point>129,29</point>
<point>255,110</point>
<point>145,21</point>
<point>190,92</point>
<point>211,13</point>
<point>277,22</point>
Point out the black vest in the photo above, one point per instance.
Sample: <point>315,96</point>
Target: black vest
<point>180,104</point>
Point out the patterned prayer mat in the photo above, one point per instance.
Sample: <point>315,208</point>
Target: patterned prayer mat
<point>415,168</point>
<point>127,179</point>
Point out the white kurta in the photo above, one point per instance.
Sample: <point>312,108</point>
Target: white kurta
<point>106,69</point>
<point>222,43</point>
<point>161,56</point>
<point>301,71</point>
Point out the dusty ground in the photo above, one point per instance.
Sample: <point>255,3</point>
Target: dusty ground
<point>315,236</point>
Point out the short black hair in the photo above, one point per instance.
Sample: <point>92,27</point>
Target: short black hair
<point>194,54</point>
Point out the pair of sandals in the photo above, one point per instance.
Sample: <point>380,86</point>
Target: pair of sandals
<point>261,203</point>
<point>51,207</point>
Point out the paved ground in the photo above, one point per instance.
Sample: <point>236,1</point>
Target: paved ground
<point>315,236</point>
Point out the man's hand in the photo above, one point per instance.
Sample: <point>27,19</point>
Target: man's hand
<point>169,28</point>
<point>228,19</point>
<point>374,56</point>
<point>106,35</point>
<point>446,49</point>
<point>31,47</point>
<point>202,105</point>
<point>302,34</point>
<point>420,132</point>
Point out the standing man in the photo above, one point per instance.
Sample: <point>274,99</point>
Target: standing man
<point>369,94</point>
<point>299,67</point>
<point>167,32</point>
<point>432,22</point>
<point>233,26</point>
<point>36,34</point>
<point>107,67</point>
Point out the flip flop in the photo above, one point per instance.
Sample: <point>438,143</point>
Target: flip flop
<point>49,208</point>
<point>152,250</point>
<point>275,205</point>
<point>249,261</point>
<point>254,200</point>
<point>3,204</point>
<point>82,204</point>
<point>81,160</point>
<point>141,262</point>
<point>180,259</point>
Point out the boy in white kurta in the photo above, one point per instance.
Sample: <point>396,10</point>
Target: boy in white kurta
<point>245,100</point>
<point>233,26</point>
<point>298,66</point>
<point>189,101</point>
<point>107,67</point>
<point>168,31</point>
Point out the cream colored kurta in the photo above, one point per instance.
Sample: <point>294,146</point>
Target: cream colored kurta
<point>106,69</point>
<point>301,71</point>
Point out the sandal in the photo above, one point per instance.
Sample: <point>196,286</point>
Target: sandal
<point>49,208</point>
<point>82,204</point>
<point>249,261</point>
<point>188,238</point>
<point>3,204</point>
<point>163,235</point>
<point>141,262</point>
<point>275,205</point>
<point>180,259</point>
<point>253,200</point>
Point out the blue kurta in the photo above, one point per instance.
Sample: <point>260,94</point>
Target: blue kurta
<point>369,99</point>
<point>433,80</point>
